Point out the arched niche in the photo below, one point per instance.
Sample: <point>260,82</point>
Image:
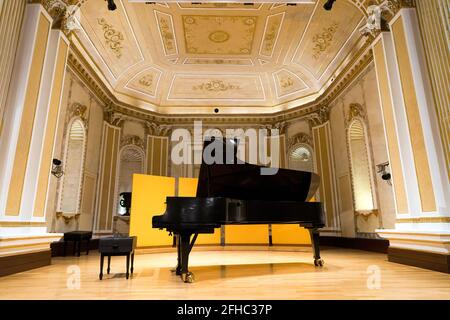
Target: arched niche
<point>361,166</point>
<point>132,159</point>
<point>73,164</point>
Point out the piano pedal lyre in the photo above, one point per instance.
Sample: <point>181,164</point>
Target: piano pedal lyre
<point>188,277</point>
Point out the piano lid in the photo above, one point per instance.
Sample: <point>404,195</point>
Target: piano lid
<point>243,181</point>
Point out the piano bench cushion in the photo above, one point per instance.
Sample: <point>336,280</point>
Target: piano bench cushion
<point>117,245</point>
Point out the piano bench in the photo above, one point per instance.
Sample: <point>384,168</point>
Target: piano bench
<point>117,246</point>
<point>77,237</point>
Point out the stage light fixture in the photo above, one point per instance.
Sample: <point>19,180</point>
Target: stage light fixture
<point>111,5</point>
<point>329,5</point>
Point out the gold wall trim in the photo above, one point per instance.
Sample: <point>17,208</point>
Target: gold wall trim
<point>22,224</point>
<point>52,118</point>
<point>421,161</point>
<point>424,220</point>
<point>28,115</point>
<point>433,23</point>
<point>390,128</point>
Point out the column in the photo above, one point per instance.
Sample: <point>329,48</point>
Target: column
<point>324,166</point>
<point>157,155</point>
<point>107,196</point>
<point>26,146</point>
<point>421,187</point>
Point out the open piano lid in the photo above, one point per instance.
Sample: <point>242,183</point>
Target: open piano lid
<point>245,182</point>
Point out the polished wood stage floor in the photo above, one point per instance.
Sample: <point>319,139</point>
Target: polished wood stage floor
<point>232,273</point>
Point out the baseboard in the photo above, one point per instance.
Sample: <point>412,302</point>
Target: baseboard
<point>374,245</point>
<point>57,248</point>
<point>24,262</point>
<point>421,259</point>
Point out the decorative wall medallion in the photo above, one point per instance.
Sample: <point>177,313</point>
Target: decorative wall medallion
<point>132,140</point>
<point>210,34</point>
<point>271,32</point>
<point>323,40</point>
<point>167,33</point>
<point>216,86</point>
<point>113,37</point>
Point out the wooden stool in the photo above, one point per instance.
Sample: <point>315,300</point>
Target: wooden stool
<point>117,246</point>
<point>77,237</point>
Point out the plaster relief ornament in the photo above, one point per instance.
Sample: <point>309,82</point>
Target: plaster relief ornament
<point>374,19</point>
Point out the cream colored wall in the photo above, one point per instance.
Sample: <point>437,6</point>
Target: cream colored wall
<point>365,93</point>
<point>76,92</point>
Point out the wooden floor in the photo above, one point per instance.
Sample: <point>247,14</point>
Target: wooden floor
<point>232,273</point>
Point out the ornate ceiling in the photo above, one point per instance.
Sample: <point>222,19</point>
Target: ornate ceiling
<point>183,58</point>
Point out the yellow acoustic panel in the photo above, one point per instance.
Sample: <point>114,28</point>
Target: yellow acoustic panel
<point>290,234</point>
<point>187,187</point>
<point>148,200</point>
<point>250,234</point>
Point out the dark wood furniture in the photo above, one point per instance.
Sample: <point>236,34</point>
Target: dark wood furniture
<point>117,246</point>
<point>77,237</point>
<point>238,193</point>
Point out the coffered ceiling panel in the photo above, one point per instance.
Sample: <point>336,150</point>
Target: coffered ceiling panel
<point>231,55</point>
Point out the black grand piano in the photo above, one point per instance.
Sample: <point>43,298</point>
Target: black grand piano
<point>238,194</point>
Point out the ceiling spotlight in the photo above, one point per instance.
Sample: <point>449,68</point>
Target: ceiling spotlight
<point>329,5</point>
<point>111,5</point>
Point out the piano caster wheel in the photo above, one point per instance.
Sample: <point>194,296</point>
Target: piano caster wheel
<point>188,277</point>
<point>319,262</point>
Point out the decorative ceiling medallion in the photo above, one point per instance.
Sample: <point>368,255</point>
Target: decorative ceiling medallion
<point>113,37</point>
<point>219,36</point>
<point>323,40</point>
<point>209,34</point>
<point>216,86</point>
<point>271,33</point>
<point>167,33</point>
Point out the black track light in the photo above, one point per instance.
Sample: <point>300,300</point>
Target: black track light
<point>111,5</point>
<point>329,5</point>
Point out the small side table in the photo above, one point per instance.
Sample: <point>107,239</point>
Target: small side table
<point>117,246</point>
<point>77,237</point>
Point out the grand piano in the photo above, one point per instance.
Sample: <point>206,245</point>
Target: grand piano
<point>237,194</point>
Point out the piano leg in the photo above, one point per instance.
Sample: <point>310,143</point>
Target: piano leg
<point>177,269</point>
<point>185,248</point>
<point>314,233</point>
